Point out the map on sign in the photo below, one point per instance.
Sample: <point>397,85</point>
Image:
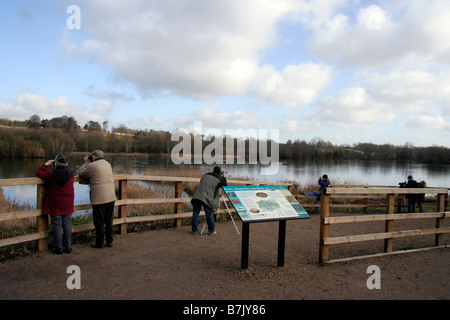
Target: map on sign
<point>258,203</point>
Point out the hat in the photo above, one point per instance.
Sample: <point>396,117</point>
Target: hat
<point>97,153</point>
<point>61,161</point>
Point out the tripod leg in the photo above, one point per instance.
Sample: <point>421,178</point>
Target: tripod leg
<point>204,225</point>
<point>231,216</point>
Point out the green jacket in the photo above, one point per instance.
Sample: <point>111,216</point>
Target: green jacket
<point>208,190</point>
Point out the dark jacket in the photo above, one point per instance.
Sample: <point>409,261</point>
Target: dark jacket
<point>59,191</point>
<point>411,184</point>
<point>208,191</point>
<point>324,183</point>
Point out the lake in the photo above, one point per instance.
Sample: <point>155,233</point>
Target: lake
<point>302,172</point>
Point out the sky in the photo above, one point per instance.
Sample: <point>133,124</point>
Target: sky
<point>343,71</point>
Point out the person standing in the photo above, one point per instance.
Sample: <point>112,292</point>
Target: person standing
<point>59,200</point>
<point>411,183</point>
<point>207,195</point>
<point>98,172</point>
<point>421,196</point>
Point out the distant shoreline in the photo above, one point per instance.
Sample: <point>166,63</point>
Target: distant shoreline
<point>137,154</point>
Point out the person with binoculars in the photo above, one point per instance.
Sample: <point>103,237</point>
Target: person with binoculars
<point>98,172</point>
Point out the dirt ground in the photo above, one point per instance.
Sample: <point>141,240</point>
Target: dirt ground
<point>172,264</point>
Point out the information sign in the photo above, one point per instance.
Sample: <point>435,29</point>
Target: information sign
<point>263,203</point>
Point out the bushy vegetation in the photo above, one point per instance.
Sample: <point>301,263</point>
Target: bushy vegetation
<point>45,138</point>
<point>319,149</point>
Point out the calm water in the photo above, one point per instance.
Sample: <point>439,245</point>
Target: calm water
<point>304,173</point>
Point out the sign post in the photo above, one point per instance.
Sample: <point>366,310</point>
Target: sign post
<point>262,204</point>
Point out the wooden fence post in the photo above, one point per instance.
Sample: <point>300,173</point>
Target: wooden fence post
<point>365,203</point>
<point>440,207</point>
<point>293,189</point>
<point>42,220</point>
<point>389,225</point>
<point>123,209</point>
<point>399,203</point>
<point>325,200</point>
<point>177,207</point>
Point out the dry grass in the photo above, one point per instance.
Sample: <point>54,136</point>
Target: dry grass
<point>11,205</point>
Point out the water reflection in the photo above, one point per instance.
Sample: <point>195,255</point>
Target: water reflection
<point>302,172</point>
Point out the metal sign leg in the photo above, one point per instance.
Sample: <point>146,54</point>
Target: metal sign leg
<point>281,242</point>
<point>245,245</point>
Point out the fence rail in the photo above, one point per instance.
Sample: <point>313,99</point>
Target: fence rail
<point>389,234</point>
<point>387,194</point>
<point>42,231</point>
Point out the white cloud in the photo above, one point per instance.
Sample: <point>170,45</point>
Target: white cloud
<point>412,91</point>
<point>315,13</point>
<point>197,49</point>
<point>350,109</point>
<point>373,18</point>
<point>211,117</point>
<point>426,122</point>
<point>412,35</point>
<point>26,104</point>
<point>289,124</point>
<point>294,85</point>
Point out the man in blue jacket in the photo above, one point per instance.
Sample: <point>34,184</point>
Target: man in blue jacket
<point>324,182</point>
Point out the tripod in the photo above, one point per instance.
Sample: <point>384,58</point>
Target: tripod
<point>229,212</point>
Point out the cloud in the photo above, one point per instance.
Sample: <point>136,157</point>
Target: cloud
<point>294,85</point>
<point>350,109</point>
<point>211,117</point>
<point>410,35</point>
<point>109,95</point>
<point>197,49</point>
<point>426,122</point>
<point>412,91</point>
<point>26,104</point>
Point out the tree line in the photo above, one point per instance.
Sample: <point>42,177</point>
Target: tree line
<point>45,138</point>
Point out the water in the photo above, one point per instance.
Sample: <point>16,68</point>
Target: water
<point>303,172</point>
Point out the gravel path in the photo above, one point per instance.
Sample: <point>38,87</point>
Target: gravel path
<point>172,264</point>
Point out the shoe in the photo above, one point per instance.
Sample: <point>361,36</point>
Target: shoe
<point>194,233</point>
<point>109,245</point>
<point>57,251</point>
<point>214,233</point>
<point>68,250</point>
<point>94,245</point>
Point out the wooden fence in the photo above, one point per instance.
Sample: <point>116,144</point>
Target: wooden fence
<point>42,222</point>
<point>389,234</point>
<point>335,195</point>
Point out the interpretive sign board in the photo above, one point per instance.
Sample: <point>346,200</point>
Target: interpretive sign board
<point>264,203</point>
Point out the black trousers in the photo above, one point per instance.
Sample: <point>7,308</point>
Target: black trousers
<point>103,222</point>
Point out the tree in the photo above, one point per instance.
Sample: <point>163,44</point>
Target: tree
<point>34,121</point>
<point>93,126</point>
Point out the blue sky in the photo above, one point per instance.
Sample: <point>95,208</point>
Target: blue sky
<point>345,71</point>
